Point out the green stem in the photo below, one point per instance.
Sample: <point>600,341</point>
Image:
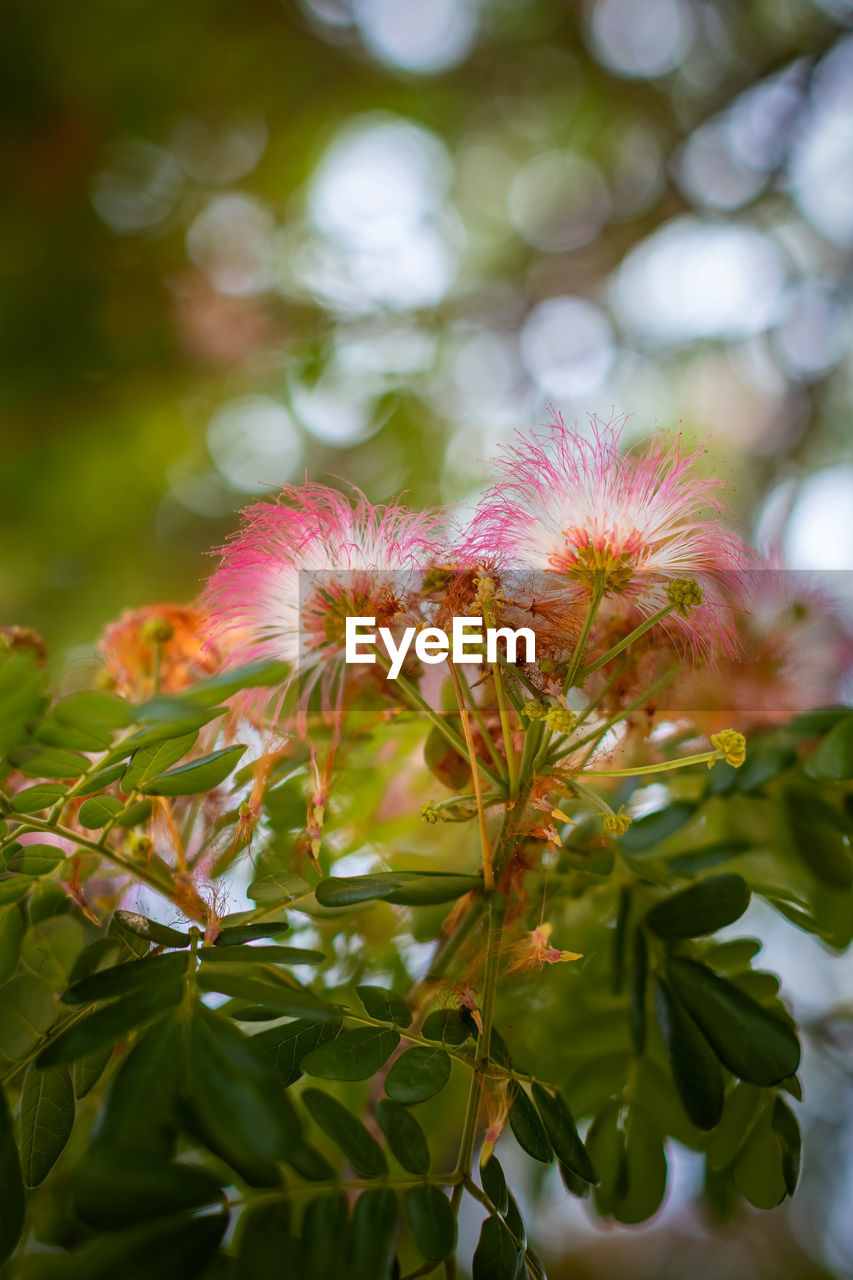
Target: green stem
<point>481,1059</point>
<point>595,601</point>
<point>519,675</point>
<point>706,757</point>
<point>586,794</point>
<point>667,676</point>
<point>629,640</point>
<point>481,724</point>
<point>448,732</point>
<point>140,872</point>
<point>500,694</point>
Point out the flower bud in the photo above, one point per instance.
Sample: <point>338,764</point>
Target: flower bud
<point>732,745</point>
<point>561,719</point>
<point>684,594</point>
<point>616,824</point>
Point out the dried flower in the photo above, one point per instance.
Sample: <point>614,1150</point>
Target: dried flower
<point>166,638</point>
<point>536,951</point>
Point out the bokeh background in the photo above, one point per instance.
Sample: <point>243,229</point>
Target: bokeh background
<point>371,238</point>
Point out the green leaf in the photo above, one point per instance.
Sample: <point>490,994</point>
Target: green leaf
<point>404,1135</point>
<point>405,888</point>
<point>47,1118</point>
<point>749,1040</point>
<point>176,1248</point>
<point>27,1011</point>
<point>561,1130</point>
<point>695,1069</point>
<point>817,833</point>
<point>143,1098</point>
<point>160,934</point>
<point>238,954</point>
<point>128,978</point>
<point>645,1164</point>
<point>309,1164</point>
<point>199,775</point>
<point>20,697</point>
<point>656,827</point>
<point>347,1132</point>
<point>280,887</point>
<point>323,1232</point>
<point>36,859</point>
<point>497,1255</point>
<point>243,1113</point>
<point>450,1026</point>
<point>287,999</point>
<point>639,976</point>
<point>418,1074</point>
<point>832,759</point>
<point>134,814</point>
<point>701,908</point>
<point>384,1005</point>
<point>787,1131</point>
<point>53,733</point>
<point>94,709</point>
<point>355,1054</point>
<point>605,1142</point>
<point>252,676</point>
<point>265,1232</point>
<point>238,934</point>
<point>285,1046</point>
<point>111,1022</point>
<point>172,720</point>
<point>494,1183</point>
<point>48,762</point>
<point>431,1221</point>
<point>758,1170</point>
<point>98,811</point>
<point>102,778</point>
<point>118,1186</point>
<point>12,925</point>
<point>12,1196</point>
<point>88,1071</point>
<point>42,796</point>
<point>149,762</point>
<point>741,1108</point>
<point>52,947</point>
<point>514,1220</point>
<point>14,889</point>
<point>524,1121</point>
<point>370,1242</point>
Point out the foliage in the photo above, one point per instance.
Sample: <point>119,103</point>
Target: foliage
<point>191,1091</point>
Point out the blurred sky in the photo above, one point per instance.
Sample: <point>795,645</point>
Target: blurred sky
<point>371,238</point>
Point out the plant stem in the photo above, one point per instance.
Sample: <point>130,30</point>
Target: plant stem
<point>481,1060</point>
<point>622,715</point>
<point>449,733</point>
<point>705,757</point>
<point>628,640</point>
<point>577,656</point>
<point>488,871</point>
<point>481,724</point>
<point>500,694</point>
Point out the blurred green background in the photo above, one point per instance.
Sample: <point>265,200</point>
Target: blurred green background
<point>369,239</point>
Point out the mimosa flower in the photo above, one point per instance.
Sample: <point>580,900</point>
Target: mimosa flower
<point>583,510</point>
<point>162,640</point>
<point>300,566</point>
<point>536,951</point>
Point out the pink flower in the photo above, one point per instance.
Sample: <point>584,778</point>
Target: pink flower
<point>299,566</point>
<point>583,511</point>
